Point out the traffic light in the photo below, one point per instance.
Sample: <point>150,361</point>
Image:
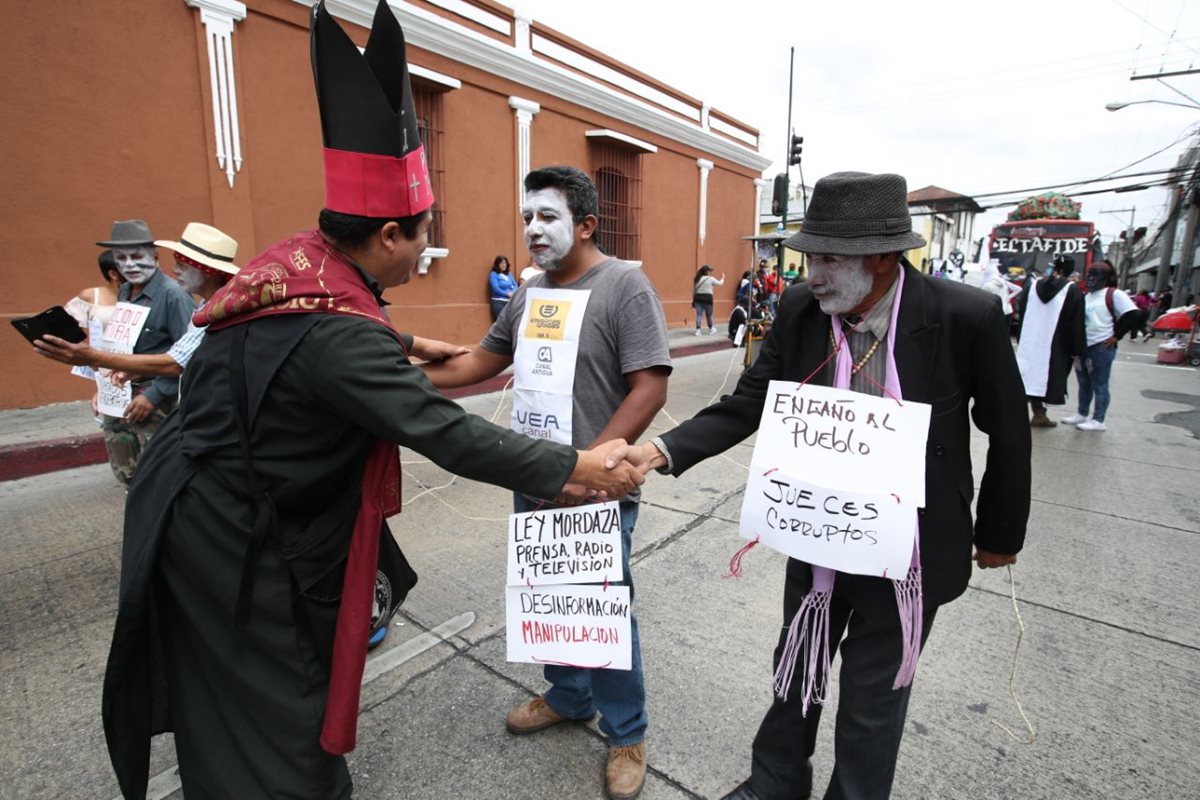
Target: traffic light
<point>794,153</point>
<point>779,197</point>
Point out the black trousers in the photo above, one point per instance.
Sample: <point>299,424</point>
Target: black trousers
<point>870,714</point>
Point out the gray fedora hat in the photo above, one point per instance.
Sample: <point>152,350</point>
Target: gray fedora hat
<point>129,233</point>
<point>857,214</point>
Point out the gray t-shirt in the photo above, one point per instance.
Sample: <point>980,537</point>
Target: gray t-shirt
<point>623,331</point>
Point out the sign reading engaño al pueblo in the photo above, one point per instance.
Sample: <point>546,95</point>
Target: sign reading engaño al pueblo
<point>837,477</point>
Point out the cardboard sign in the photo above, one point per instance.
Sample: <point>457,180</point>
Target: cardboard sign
<point>863,462</point>
<point>124,327</point>
<point>581,544</point>
<point>579,626</point>
<point>866,534</point>
<point>120,335</point>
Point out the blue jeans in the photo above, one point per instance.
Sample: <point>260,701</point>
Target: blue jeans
<point>1093,379</point>
<point>619,695</point>
<point>703,309</point>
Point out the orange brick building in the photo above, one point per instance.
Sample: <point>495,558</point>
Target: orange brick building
<point>182,110</point>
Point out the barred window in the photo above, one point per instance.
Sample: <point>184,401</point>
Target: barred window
<point>617,173</point>
<point>428,104</point>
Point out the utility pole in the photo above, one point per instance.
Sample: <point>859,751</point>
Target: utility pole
<point>787,159</point>
<point>1163,277</point>
<point>1186,257</point>
<point>1127,250</point>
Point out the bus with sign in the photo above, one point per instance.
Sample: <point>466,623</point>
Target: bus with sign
<point>1030,245</point>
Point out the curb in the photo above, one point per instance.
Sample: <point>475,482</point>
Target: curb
<point>38,458</point>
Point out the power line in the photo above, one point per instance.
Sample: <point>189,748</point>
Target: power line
<point>1146,21</point>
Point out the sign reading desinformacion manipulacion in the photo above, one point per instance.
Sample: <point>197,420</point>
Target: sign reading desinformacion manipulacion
<point>561,608</point>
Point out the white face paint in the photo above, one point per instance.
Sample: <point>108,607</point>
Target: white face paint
<point>549,229</point>
<point>190,279</point>
<point>136,264</point>
<point>839,283</point>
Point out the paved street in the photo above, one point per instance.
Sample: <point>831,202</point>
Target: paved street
<point>1109,669</point>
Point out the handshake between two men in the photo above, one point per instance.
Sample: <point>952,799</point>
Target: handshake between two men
<point>610,470</point>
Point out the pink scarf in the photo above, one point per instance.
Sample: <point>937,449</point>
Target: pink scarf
<point>809,631</point>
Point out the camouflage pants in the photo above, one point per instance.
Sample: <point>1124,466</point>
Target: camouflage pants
<point>126,440</point>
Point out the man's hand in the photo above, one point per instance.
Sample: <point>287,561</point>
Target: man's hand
<point>138,410</point>
<point>119,378</point>
<point>987,560</point>
<point>615,481</point>
<point>1110,342</point>
<point>435,350</point>
<point>574,494</point>
<point>79,355</point>
<point>644,456</point>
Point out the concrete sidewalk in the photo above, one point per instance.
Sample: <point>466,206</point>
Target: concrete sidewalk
<point>34,441</point>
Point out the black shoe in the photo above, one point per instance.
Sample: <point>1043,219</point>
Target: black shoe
<point>742,792</point>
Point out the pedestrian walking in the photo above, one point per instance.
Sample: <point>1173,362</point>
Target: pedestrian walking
<point>702,296</point>
<point>1050,336</point>
<point>1109,314</point>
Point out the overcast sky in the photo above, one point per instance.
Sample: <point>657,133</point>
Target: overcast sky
<point>974,96</point>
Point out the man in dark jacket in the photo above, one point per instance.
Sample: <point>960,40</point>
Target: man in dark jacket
<point>950,348</point>
<point>1050,337</point>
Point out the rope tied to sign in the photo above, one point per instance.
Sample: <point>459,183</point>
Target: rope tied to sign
<point>1012,674</point>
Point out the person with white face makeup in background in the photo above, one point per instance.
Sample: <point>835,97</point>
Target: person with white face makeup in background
<point>867,322</point>
<point>203,263</point>
<point>170,314</point>
<point>588,342</point>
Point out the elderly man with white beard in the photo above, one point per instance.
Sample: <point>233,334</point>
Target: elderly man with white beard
<point>170,313</point>
<point>867,321</point>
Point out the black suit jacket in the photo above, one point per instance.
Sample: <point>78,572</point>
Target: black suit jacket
<point>952,349</point>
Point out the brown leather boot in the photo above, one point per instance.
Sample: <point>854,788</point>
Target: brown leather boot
<point>1040,420</point>
<point>626,771</point>
<point>532,717</point>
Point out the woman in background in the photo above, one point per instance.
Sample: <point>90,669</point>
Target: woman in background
<point>702,296</point>
<point>501,284</point>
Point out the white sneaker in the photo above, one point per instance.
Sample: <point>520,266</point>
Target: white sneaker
<point>711,331</point>
<point>1074,419</point>
<point>697,331</point>
<point>1091,425</point>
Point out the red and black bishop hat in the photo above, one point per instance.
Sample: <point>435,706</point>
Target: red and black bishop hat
<point>374,161</point>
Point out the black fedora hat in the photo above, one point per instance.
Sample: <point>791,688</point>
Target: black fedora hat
<point>857,214</point>
<point>129,233</point>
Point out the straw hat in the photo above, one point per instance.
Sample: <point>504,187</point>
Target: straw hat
<point>205,245</point>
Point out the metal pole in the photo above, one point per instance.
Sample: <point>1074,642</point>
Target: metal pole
<point>787,155</point>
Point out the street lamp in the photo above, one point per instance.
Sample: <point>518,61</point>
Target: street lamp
<point>1117,106</point>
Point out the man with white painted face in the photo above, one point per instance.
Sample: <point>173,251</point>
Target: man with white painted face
<point>612,334</point>
<point>867,321</point>
<point>203,263</point>
<point>170,314</point>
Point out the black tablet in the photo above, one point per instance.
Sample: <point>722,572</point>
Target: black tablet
<point>54,321</point>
